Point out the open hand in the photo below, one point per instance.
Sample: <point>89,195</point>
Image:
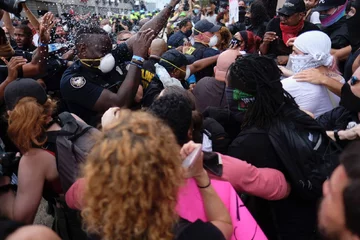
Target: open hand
<point>142,42</point>
<point>312,75</point>
<point>47,23</point>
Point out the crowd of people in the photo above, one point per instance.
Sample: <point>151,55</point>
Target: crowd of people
<point>183,123</point>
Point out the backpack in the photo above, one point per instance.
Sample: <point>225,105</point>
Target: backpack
<point>308,155</point>
<point>72,145</point>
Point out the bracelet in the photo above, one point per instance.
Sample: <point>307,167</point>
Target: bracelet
<point>135,64</point>
<point>206,185</point>
<point>43,44</point>
<point>336,135</point>
<point>139,59</point>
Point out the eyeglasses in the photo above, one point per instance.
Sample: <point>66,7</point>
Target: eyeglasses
<point>353,80</point>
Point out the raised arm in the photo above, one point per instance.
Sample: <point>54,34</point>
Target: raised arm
<point>8,23</point>
<point>127,91</point>
<point>33,20</point>
<point>39,60</point>
<point>216,211</point>
<point>157,23</point>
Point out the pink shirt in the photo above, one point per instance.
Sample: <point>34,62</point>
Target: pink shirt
<point>266,183</point>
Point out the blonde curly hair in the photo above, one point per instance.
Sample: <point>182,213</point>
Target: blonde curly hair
<point>133,175</point>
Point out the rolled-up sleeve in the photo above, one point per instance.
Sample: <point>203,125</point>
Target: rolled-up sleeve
<point>266,183</point>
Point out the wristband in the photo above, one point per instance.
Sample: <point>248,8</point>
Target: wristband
<point>135,64</point>
<point>336,135</point>
<point>42,44</point>
<point>139,59</point>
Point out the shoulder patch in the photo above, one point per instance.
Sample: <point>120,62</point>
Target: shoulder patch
<point>77,82</point>
<point>190,50</point>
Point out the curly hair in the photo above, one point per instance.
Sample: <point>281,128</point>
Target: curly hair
<point>27,122</point>
<point>133,174</point>
<point>225,36</point>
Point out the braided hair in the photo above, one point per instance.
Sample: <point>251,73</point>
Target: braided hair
<point>260,77</point>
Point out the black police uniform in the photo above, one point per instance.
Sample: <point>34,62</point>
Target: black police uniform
<point>200,51</point>
<point>177,39</point>
<point>81,86</point>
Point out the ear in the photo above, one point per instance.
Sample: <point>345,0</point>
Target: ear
<point>8,112</point>
<point>215,70</point>
<point>81,48</point>
<point>190,133</point>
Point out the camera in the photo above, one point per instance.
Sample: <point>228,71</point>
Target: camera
<point>9,163</point>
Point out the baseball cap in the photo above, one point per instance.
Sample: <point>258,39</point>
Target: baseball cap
<point>205,26</point>
<point>224,61</point>
<point>173,58</point>
<point>291,7</point>
<point>324,5</point>
<point>23,87</point>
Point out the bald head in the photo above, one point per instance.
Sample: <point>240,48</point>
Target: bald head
<point>33,233</point>
<point>158,47</point>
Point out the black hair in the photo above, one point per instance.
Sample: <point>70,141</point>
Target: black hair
<point>85,32</point>
<point>27,31</point>
<point>260,77</point>
<point>175,110</point>
<point>184,22</point>
<point>196,116</point>
<point>350,159</point>
<point>259,14</point>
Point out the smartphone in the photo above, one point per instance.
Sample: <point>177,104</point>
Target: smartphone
<point>189,160</point>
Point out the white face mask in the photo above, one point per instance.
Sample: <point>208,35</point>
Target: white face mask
<point>298,63</point>
<point>107,28</point>
<point>213,41</point>
<point>107,63</point>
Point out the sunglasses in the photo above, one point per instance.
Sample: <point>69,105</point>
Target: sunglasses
<point>353,80</point>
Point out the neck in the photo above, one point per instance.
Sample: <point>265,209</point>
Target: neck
<point>154,56</point>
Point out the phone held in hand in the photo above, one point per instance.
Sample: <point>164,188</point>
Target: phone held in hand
<point>193,156</point>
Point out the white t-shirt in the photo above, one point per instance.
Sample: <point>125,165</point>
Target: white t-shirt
<point>316,99</point>
<point>211,19</point>
<point>315,18</point>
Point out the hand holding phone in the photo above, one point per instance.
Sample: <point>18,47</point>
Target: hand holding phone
<point>193,159</point>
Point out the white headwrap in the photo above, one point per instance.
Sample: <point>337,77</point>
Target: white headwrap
<point>316,44</point>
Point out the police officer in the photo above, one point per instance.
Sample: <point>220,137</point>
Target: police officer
<point>91,85</point>
<point>205,39</point>
<point>182,36</point>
